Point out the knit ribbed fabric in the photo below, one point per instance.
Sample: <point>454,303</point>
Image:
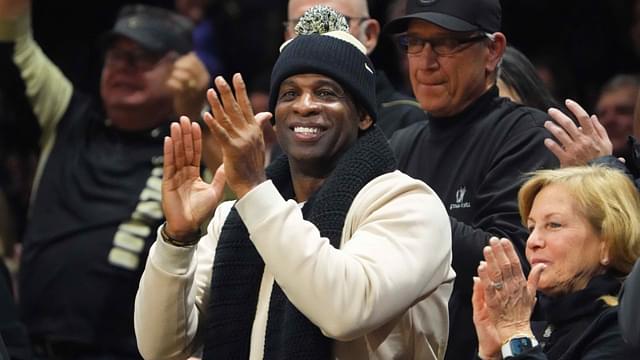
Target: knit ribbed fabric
<point>332,57</point>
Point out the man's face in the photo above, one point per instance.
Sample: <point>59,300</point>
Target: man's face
<point>134,78</point>
<point>316,121</point>
<point>355,10</point>
<point>446,85</point>
<point>615,112</point>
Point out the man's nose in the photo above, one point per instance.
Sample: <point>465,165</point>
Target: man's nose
<point>305,104</point>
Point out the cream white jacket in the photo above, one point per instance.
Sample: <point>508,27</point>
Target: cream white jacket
<point>382,295</point>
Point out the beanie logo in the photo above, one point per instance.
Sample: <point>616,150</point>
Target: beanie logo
<point>366,66</point>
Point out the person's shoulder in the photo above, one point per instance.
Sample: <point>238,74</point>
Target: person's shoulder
<point>394,183</point>
<point>397,190</point>
<point>517,112</point>
<point>512,119</point>
<point>410,132</point>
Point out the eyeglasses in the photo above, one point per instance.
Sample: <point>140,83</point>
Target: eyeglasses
<point>442,46</point>
<point>139,59</point>
<point>291,24</point>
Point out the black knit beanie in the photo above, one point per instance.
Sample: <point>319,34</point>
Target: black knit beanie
<point>333,54</point>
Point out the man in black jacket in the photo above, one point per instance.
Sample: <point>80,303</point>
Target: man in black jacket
<point>96,197</point>
<point>476,147</point>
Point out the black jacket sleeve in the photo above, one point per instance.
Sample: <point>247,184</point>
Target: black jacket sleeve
<point>629,315</point>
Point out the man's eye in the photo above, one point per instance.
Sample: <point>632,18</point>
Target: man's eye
<point>446,44</point>
<point>325,93</point>
<point>287,95</point>
<point>411,41</point>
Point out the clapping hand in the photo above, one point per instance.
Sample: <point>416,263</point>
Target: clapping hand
<point>187,201</point>
<point>502,298</point>
<point>239,133</point>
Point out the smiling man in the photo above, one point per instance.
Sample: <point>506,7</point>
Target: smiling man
<point>322,255</point>
<point>476,146</point>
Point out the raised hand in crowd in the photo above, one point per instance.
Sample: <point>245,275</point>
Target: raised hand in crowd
<point>576,144</point>
<point>12,9</point>
<point>189,81</point>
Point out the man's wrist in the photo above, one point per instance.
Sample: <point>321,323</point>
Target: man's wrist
<point>181,241</point>
<point>243,189</point>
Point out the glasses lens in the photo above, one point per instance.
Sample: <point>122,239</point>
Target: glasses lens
<point>141,60</point>
<point>442,46</point>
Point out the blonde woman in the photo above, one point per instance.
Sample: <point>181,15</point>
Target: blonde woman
<point>584,239</point>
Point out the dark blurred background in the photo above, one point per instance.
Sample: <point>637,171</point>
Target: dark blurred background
<point>577,44</point>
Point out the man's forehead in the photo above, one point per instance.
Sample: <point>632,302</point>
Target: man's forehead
<point>416,26</point>
<point>626,93</point>
<point>124,42</point>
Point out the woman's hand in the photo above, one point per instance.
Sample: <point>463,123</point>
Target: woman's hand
<point>488,339</point>
<point>509,297</point>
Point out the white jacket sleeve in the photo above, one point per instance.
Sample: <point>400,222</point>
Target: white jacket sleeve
<point>396,250</point>
<point>173,294</point>
<point>47,89</point>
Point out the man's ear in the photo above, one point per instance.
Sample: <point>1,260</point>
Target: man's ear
<point>365,120</point>
<point>369,34</point>
<point>496,50</point>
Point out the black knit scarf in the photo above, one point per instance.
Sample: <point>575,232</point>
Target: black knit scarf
<point>238,268</point>
<point>573,319</point>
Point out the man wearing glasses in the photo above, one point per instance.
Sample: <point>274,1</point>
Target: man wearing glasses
<point>475,147</point>
<point>95,203</point>
<point>395,110</point>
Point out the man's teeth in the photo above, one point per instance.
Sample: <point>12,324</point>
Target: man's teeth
<point>306,130</point>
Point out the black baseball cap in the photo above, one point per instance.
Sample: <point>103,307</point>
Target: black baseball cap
<point>156,29</point>
<point>454,15</point>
